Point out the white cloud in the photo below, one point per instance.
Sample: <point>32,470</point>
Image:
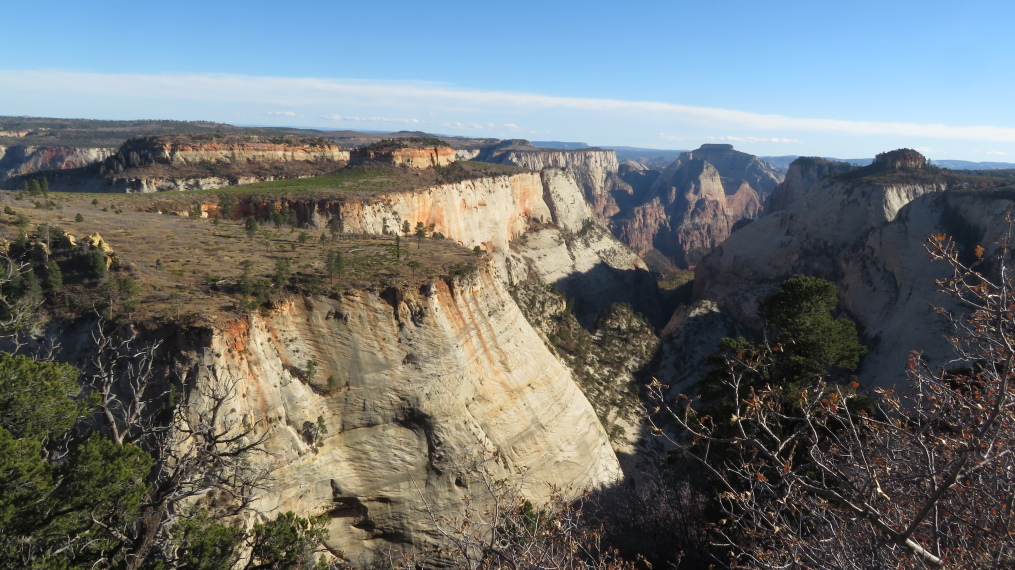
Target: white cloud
<point>424,97</point>
<point>512,127</point>
<point>371,119</point>
<point>281,114</point>
<point>458,125</point>
<point>997,152</point>
<point>730,139</point>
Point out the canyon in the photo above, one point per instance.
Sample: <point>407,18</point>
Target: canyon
<point>385,402</point>
<point>681,212</point>
<point>865,230</point>
<point>419,387</point>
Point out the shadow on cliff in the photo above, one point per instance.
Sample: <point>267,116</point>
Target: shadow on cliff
<point>593,291</point>
<point>657,519</point>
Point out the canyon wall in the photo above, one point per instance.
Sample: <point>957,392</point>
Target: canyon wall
<point>20,160</point>
<point>412,388</point>
<point>694,203</point>
<point>536,225</point>
<point>419,158</point>
<point>867,236</point>
<point>175,150</point>
<point>594,170</point>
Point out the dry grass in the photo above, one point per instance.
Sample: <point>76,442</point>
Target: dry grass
<point>191,266</point>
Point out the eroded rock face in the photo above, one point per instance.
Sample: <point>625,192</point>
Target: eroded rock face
<point>412,387</point>
<point>694,203</point>
<point>593,169</point>
<point>803,173</point>
<point>410,157</point>
<point>144,151</point>
<point>867,238</point>
<point>536,225</point>
<point>20,160</point>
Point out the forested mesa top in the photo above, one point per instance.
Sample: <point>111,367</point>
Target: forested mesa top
<point>146,142</point>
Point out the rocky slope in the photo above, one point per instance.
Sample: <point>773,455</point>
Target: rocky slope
<point>864,230</point>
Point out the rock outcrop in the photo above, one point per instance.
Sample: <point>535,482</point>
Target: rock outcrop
<point>536,225</point>
<point>412,388</point>
<point>695,203</point>
<point>425,157</point>
<point>863,230</point>
<point>21,160</point>
<point>594,169</point>
<point>195,149</point>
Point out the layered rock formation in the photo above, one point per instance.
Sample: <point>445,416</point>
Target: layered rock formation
<point>195,149</point>
<point>594,169</point>
<point>694,204</point>
<point>412,388</point>
<point>21,160</point>
<point>174,163</point>
<point>425,157</point>
<point>536,225</point>
<point>864,230</point>
<point>422,383</point>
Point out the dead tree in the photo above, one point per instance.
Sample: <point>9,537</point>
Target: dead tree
<point>184,423</point>
<point>920,478</point>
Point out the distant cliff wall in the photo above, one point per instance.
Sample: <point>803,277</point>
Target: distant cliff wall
<point>867,237</point>
<point>20,160</point>
<point>146,151</point>
<point>594,170</point>
<point>426,157</point>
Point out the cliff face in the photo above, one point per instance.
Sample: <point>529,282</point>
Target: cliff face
<point>536,225</point>
<point>412,387</point>
<point>409,157</point>
<point>803,173</point>
<point>737,168</point>
<point>20,160</point>
<point>146,151</point>
<point>594,170</point>
<point>694,203</point>
<point>868,238</point>
<point>488,212</point>
<point>174,163</point>
<point>689,211</point>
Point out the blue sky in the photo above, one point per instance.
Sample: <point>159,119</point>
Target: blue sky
<point>845,79</point>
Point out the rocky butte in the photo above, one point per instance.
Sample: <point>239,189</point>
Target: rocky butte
<point>413,152</point>
<point>864,229</point>
<point>694,203</point>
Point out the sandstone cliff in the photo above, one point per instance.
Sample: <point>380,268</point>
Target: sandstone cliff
<point>174,163</point>
<point>411,388</point>
<point>425,157</point>
<point>866,234</point>
<point>20,160</point>
<point>536,225</point>
<point>595,170</point>
<point>196,149</point>
<point>694,203</point>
